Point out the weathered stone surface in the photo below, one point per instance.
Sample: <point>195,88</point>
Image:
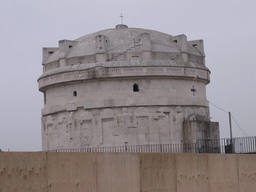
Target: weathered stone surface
<point>124,86</point>
<point>126,172</point>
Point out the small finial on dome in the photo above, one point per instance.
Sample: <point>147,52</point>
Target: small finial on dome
<point>121,18</point>
<point>119,26</point>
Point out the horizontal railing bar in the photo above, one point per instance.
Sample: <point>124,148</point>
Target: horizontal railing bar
<point>239,145</point>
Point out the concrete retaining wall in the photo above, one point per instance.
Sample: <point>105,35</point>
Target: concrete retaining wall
<point>126,172</point>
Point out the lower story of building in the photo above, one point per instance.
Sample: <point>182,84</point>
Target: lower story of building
<point>105,127</point>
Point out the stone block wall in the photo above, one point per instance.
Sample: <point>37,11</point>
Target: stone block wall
<point>116,126</point>
<point>126,172</point>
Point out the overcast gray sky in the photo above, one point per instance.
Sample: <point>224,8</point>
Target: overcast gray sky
<point>228,29</point>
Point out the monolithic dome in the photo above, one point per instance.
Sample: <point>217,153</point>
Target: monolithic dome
<point>125,86</point>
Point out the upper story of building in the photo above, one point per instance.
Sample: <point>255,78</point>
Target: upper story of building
<point>126,47</point>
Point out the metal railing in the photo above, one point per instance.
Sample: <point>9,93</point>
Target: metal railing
<point>224,145</point>
<point>239,145</point>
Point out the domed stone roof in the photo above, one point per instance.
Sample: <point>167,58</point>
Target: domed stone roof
<point>122,39</point>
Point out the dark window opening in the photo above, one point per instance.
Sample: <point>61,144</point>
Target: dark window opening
<point>44,98</point>
<point>74,93</point>
<point>194,45</point>
<point>175,41</point>
<point>70,46</point>
<point>50,52</point>
<point>100,47</point>
<point>135,88</point>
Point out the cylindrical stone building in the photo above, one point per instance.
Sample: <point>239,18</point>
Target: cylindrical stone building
<point>125,86</point>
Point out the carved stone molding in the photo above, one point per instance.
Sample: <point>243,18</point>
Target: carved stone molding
<point>69,74</point>
<point>96,104</point>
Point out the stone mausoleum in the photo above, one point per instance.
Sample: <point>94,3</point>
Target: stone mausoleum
<point>125,86</point>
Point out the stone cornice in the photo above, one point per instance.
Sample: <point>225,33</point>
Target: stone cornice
<point>119,103</point>
<point>131,63</point>
<point>115,70</point>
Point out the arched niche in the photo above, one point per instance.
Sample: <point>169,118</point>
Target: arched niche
<point>63,131</point>
<point>85,116</point>
<point>107,126</point>
<point>86,123</point>
<point>201,111</point>
<point>107,113</point>
<point>141,121</point>
<point>62,118</point>
<point>163,110</point>
<point>141,111</point>
<point>189,113</point>
<point>49,120</point>
<point>163,123</point>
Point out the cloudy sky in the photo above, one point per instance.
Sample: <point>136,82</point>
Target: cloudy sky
<point>228,28</point>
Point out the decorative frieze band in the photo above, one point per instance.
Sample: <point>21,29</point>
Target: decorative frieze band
<point>107,72</point>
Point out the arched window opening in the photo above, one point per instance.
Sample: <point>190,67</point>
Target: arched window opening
<point>74,93</point>
<point>135,88</point>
